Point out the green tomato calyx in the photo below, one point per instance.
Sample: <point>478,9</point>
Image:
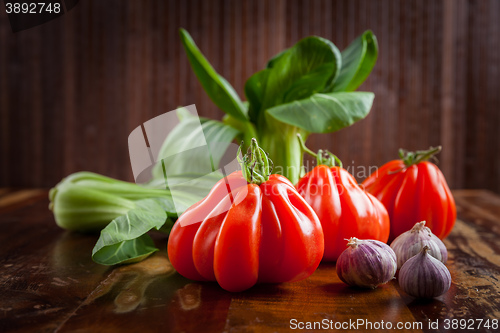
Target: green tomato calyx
<point>323,157</point>
<point>412,158</point>
<point>255,164</point>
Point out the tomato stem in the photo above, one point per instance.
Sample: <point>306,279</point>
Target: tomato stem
<point>411,158</point>
<point>255,164</point>
<point>323,157</point>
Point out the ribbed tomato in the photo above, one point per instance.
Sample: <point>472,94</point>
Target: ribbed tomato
<point>252,227</point>
<point>413,190</point>
<point>343,208</point>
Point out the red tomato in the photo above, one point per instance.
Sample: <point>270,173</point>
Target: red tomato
<point>343,208</point>
<point>414,190</point>
<point>241,234</point>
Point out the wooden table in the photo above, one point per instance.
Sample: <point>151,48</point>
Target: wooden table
<point>49,283</point>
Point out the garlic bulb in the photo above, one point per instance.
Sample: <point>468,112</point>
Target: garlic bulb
<point>424,276</point>
<point>366,263</point>
<point>411,242</point>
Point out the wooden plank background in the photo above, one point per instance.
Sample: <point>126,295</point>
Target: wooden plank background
<point>71,90</point>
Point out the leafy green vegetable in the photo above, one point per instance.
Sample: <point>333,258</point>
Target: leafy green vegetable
<point>324,113</point>
<point>217,88</point>
<point>358,60</point>
<point>293,94</point>
<point>124,240</point>
<point>302,70</point>
<point>273,60</point>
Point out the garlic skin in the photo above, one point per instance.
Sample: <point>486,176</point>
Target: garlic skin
<point>410,243</point>
<point>423,276</point>
<point>366,263</point>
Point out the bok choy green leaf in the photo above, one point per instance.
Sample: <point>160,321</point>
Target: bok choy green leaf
<point>124,240</point>
<point>358,60</point>
<point>324,113</point>
<point>217,88</point>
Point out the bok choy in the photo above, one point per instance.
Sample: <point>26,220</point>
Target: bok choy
<point>308,88</point>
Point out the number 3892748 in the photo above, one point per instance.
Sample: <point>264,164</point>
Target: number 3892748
<point>470,324</point>
<point>32,8</point>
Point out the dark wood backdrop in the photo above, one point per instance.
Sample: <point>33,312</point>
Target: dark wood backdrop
<point>72,90</point>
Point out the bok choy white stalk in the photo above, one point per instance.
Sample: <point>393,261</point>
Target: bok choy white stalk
<point>87,202</point>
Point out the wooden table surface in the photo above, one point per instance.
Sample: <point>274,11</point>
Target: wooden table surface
<point>49,283</point>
